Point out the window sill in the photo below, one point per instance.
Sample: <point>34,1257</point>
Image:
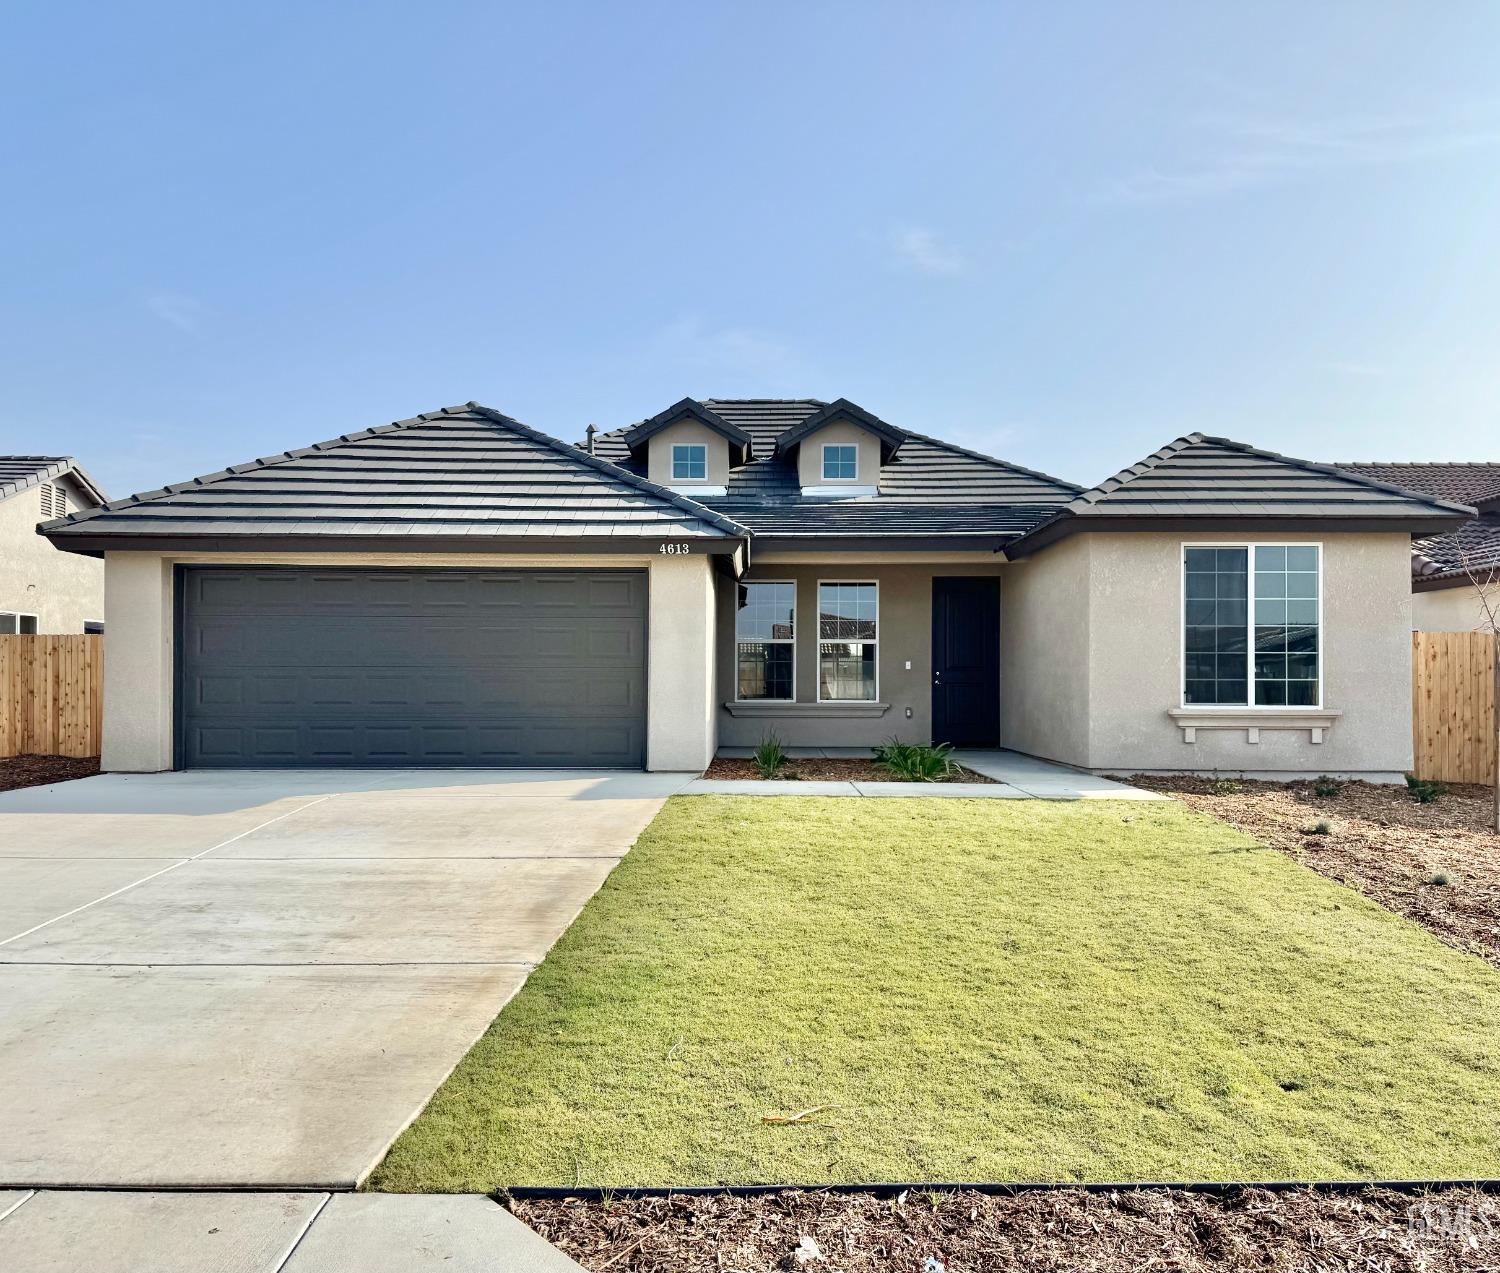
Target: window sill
<point>1316,720</point>
<point>827,711</point>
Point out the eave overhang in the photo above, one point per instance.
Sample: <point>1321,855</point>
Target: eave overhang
<point>741,446</point>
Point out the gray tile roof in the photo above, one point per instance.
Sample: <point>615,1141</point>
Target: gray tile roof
<point>21,472</point>
<point>929,488</point>
<point>1474,546</point>
<point>465,471</point>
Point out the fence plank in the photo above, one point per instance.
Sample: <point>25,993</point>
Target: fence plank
<point>50,695</point>
<point>1453,706</point>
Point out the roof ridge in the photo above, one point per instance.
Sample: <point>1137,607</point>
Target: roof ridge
<point>701,511</point>
<point>1411,464</point>
<point>1128,474</point>
<point>51,466</point>
<point>248,466</point>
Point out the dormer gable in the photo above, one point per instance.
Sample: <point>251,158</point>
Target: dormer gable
<point>840,449</point>
<point>688,446</point>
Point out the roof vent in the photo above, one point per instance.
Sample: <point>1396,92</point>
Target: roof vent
<point>589,433</point>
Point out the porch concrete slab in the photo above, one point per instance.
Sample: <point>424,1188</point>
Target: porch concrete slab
<point>451,1233</point>
<point>126,833</point>
<point>221,1077</point>
<point>403,824</point>
<point>756,787</point>
<point>1046,780</point>
<point>328,911</point>
<point>71,1232</point>
<point>949,790</point>
<point>35,890</point>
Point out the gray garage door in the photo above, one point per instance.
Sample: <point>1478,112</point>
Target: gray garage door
<point>411,667</point>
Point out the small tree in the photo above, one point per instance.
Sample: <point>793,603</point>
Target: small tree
<point>1486,582</point>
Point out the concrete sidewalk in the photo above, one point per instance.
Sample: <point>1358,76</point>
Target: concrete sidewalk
<point>88,1232</point>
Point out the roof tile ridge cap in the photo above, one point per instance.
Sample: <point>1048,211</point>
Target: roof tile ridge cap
<point>1092,496</point>
<point>995,459</point>
<point>56,466</point>
<point>236,470</point>
<point>1356,479</point>
<point>1412,464</point>
<point>701,511</point>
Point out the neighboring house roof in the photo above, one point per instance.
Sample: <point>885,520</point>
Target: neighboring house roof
<point>1198,479</point>
<point>1475,546</point>
<point>21,472</point>
<point>930,489</point>
<point>464,473</point>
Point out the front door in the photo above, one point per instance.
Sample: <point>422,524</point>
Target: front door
<point>966,661</point>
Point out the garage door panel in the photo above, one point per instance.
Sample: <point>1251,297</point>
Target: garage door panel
<point>372,667</point>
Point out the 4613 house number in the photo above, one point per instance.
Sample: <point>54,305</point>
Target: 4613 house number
<point>674,550</point>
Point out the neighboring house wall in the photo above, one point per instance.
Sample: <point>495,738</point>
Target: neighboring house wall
<point>904,632</point>
<point>62,589</point>
<point>1448,610</point>
<point>138,692</point>
<point>1132,607</point>
<point>1044,652</point>
<point>839,433</point>
<point>659,450</point>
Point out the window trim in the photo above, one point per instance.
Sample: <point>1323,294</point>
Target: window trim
<point>796,627</point>
<point>690,446</point>
<point>1250,705</point>
<point>818,637</point>
<point>823,469</point>
<point>19,615</point>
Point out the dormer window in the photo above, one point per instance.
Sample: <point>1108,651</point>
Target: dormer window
<point>689,462</point>
<point>840,463</point>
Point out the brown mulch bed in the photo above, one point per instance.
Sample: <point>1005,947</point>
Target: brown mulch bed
<point>38,771</point>
<point>852,769</point>
<point>1039,1232</point>
<point>1379,841</point>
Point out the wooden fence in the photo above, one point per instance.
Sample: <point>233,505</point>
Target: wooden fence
<point>51,695</point>
<point>1453,706</point>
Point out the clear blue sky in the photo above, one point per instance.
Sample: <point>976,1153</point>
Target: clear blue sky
<point>1062,233</point>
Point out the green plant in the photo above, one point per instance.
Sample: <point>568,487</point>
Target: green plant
<point>1423,791</point>
<point>1326,787</point>
<point>769,756</point>
<point>1226,786</point>
<point>1322,827</point>
<point>1439,878</point>
<point>916,762</point>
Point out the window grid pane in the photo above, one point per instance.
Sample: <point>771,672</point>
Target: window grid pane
<point>765,626</point>
<point>689,462</point>
<point>1214,657</point>
<point>848,631</point>
<point>840,462</point>
<point>1287,639</point>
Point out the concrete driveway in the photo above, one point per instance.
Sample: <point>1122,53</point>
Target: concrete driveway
<point>256,978</point>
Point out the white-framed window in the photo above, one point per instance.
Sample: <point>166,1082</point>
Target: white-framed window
<point>765,642</point>
<point>689,462</point>
<point>13,624</point>
<point>1252,631</point>
<point>848,641</point>
<point>840,462</point>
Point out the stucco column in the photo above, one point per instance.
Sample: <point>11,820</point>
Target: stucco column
<point>680,716</point>
<point>137,663</point>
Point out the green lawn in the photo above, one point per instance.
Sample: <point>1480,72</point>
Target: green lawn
<point>982,990</point>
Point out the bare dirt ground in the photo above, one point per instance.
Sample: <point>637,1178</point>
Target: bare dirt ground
<point>37,771</point>
<point>1041,1232</point>
<point>815,770</point>
<point>1438,864</point>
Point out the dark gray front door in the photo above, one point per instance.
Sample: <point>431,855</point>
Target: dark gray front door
<point>966,661</point>
<point>327,667</point>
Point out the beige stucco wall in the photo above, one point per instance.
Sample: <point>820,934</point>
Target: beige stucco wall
<point>1134,640</point>
<point>839,433</point>
<point>139,670</point>
<point>905,634</point>
<point>62,589</point>
<point>1448,610</point>
<point>1044,652</point>
<point>659,454</point>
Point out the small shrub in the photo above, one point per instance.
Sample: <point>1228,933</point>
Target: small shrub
<point>1423,791</point>
<point>1439,878</point>
<point>915,762</point>
<point>770,756</point>
<point>1320,828</point>
<point>1226,786</point>
<point>1325,788</point>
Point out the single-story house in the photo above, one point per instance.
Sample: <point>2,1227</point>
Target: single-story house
<point>461,589</point>
<point>43,590</point>
<point>1448,569</point>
